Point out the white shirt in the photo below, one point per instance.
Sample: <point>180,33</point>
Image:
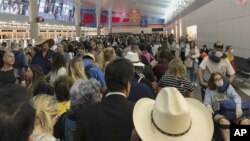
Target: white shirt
<point>56,75</point>
<point>224,67</point>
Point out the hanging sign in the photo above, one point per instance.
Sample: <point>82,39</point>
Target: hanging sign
<point>134,15</point>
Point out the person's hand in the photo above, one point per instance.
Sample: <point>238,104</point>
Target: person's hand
<point>204,84</point>
<point>238,111</point>
<point>210,109</point>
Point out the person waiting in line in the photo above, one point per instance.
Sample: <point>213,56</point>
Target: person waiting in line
<point>145,53</point>
<point>58,68</point>
<point>20,59</point>
<point>62,86</point>
<point>82,94</point>
<point>204,52</point>
<point>99,56</point>
<point>9,74</point>
<point>216,61</point>
<point>117,126</point>
<point>140,86</point>
<point>92,70</point>
<point>109,56</point>
<point>63,50</point>
<point>193,53</point>
<point>75,70</point>
<point>161,68</point>
<point>183,46</point>
<point>17,114</point>
<point>176,77</point>
<point>171,117</point>
<point>46,117</point>
<point>44,55</point>
<point>219,88</point>
<point>36,83</point>
<point>172,46</point>
<point>230,55</point>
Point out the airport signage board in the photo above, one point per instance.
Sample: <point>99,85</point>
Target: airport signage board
<point>134,15</point>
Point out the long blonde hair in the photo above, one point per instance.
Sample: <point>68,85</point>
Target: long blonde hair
<point>46,111</point>
<point>99,57</point>
<point>176,67</point>
<point>76,69</point>
<point>109,55</point>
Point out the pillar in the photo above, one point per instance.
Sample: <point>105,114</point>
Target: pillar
<point>110,16</point>
<point>78,18</point>
<point>98,15</point>
<point>33,6</point>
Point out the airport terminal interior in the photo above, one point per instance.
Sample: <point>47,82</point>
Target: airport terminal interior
<point>124,70</point>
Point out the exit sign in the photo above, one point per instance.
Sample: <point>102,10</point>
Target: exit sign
<point>240,1</point>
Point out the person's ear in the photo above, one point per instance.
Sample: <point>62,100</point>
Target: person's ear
<point>128,88</point>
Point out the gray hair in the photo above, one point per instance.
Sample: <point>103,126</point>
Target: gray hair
<point>82,93</point>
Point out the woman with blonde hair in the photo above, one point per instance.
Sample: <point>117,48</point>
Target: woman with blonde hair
<point>109,55</point>
<point>45,119</point>
<point>76,69</point>
<point>99,56</point>
<point>176,77</point>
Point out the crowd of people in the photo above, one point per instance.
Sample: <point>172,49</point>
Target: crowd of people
<point>119,87</point>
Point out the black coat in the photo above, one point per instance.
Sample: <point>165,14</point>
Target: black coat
<point>108,120</point>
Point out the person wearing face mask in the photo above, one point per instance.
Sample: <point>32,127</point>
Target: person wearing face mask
<point>230,55</point>
<point>219,88</point>
<point>216,61</point>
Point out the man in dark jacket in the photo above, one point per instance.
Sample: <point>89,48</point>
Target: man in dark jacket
<point>110,119</point>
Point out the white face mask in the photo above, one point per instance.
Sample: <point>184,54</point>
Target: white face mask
<point>219,83</point>
<point>231,51</point>
<point>218,54</point>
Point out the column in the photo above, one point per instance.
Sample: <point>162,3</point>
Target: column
<point>33,15</point>
<point>98,15</point>
<point>78,18</point>
<point>110,16</point>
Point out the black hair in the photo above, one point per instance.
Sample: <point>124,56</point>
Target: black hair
<point>143,47</point>
<point>62,86</point>
<point>4,44</point>
<point>17,115</point>
<point>58,61</point>
<point>117,75</point>
<point>166,55</point>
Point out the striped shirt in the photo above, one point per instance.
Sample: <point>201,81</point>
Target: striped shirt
<point>182,84</point>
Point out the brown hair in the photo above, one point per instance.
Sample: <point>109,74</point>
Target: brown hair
<point>211,84</point>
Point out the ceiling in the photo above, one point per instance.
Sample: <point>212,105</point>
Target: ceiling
<point>163,9</point>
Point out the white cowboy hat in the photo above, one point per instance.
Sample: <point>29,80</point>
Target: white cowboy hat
<point>89,55</point>
<point>134,58</point>
<point>171,117</point>
<point>42,40</point>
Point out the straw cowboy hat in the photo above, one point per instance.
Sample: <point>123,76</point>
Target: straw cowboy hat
<point>42,40</point>
<point>89,55</point>
<point>134,58</point>
<point>171,117</point>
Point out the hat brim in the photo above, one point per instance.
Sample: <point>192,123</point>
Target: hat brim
<point>202,124</point>
<point>88,56</point>
<point>37,43</point>
<point>139,64</point>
